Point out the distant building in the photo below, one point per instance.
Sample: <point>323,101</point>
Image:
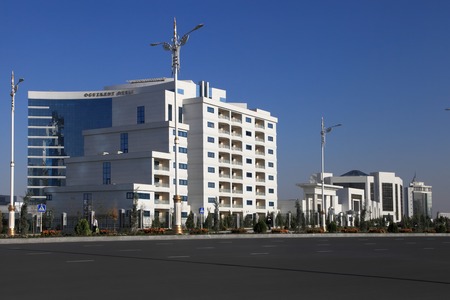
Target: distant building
<point>354,195</point>
<point>418,200</point>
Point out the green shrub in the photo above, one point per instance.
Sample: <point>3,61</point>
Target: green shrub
<point>393,227</point>
<point>260,227</point>
<point>83,228</point>
<point>332,227</point>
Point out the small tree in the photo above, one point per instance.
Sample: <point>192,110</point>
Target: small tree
<point>134,212</point>
<point>208,222</point>
<point>83,228</point>
<point>260,227</point>
<point>279,220</point>
<point>23,221</point>
<point>190,221</point>
<point>1,222</point>
<point>156,223</point>
<point>298,210</point>
<point>216,216</point>
<point>114,215</point>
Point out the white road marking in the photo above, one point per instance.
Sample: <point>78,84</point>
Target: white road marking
<point>80,261</point>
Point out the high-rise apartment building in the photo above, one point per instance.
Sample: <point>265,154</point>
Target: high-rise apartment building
<point>99,150</point>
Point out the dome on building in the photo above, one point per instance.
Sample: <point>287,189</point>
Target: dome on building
<point>355,173</point>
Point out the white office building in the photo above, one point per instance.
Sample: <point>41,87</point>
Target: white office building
<point>101,150</point>
<point>418,200</point>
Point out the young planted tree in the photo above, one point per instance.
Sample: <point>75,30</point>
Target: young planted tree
<point>134,212</point>
<point>190,221</point>
<point>23,220</point>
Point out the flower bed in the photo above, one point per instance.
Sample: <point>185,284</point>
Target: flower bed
<point>238,230</point>
<point>153,231</point>
<point>349,230</point>
<point>315,230</point>
<point>50,233</point>
<point>376,230</point>
<point>198,231</point>
<point>279,230</point>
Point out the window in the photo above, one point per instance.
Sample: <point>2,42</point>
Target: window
<point>271,177</point>
<point>248,120</point>
<point>140,115</point>
<point>182,181</point>
<point>249,202</point>
<point>248,160</point>
<point>210,139</point>
<point>182,166</point>
<point>106,172</point>
<point>211,185</point>
<point>181,133</point>
<point>388,196</point>
<point>248,133</point>
<point>270,151</point>
<point>271,203</point>
<point>169,112</point>
<point>270,125</point>
<point>249,175</point>
<point>210,124</point>
<point>184,214</point>
<point>270,164</point>
<point>182,150</point>
<point>124,142</point>
<point>248,188</point>
<point>211,154</point>
<point>184,198</point>
<point>211,199</point>
<point>270,138</point>
<point>180,114</point>
<point>210,109</point>
<point>211,170</point>
<point>180,91</point>
<point>248,147</point>
<point>271,191</point>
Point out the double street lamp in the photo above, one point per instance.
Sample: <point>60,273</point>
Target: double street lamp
<point>11,208</point>
<point>174,47</point>
<point>323,134</point>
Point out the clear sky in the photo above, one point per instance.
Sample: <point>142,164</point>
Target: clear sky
<point>381,68</point>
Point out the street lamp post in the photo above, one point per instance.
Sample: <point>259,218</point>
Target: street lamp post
<point>323,134</point>
<point>11,208</point>
<point>177,42</point>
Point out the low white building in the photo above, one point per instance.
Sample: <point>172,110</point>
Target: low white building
<point>353,195</point>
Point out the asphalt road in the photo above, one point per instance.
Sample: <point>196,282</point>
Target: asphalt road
<point>250,268</point>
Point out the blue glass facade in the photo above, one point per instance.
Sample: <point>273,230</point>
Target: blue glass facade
<point>55,132</point>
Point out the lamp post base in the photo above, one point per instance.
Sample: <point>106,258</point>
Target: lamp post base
<point>11,232</point>
<point>177,229</point>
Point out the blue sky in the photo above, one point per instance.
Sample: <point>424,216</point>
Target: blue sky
<point>381,68</point>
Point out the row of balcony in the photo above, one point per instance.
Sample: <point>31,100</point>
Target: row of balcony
<point>237,118</point>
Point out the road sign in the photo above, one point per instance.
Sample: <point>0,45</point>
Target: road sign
<point>41,208</point>
<point>201,210</point>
